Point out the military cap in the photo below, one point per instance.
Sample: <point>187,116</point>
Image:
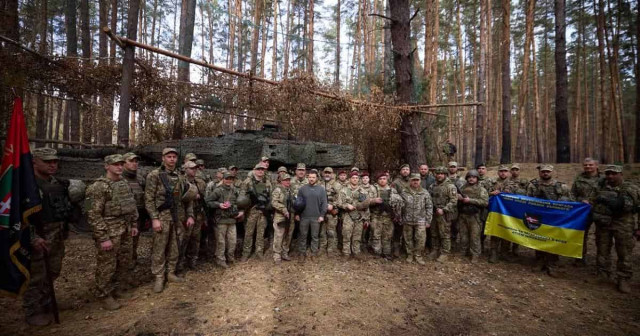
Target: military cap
<point>342,171</point>
<point>515,166</point>
<point>228,175</point>
<point>380,174</point>
<point>452,164</point>
<point>480,165</point>
<point>129,156</point>
<point>282,169</point>
<point>260,165</point>
<point>285,176</point>
<point>613,168</point>
<point>406,165</point>
<point>222,170</point>
<point>264,158</point>
<point>190,156</point>
<point>189,164</point>
<point>113,158</point>
<point>232,167</point>
<point>546,167</point>
<point>45,154</point>
<point>355,169</point>
<point>416,176</point>
<point>200,162</point>
<point>441,170</point>
<point>301,166</point>
<point>169,150</point>
<point>354,173</point>
<point>503,167</point>
<point>365,173</point>
<point>328,170</point>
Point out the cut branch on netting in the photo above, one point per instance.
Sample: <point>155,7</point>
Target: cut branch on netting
<point>253,78</point>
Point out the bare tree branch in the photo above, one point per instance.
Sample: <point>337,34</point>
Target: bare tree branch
<point>414,15</point>
<point>382,16</point>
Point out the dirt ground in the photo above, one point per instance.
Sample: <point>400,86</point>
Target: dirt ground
<point>331,296</point>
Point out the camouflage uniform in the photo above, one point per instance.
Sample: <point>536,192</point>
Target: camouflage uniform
<point>371,192</point>
<point>582,188</point>
<point>165,253</point>
<point>256,219</point>
<point>352,220</point>
<point>192,234</point>
<point>445,197</point>
<point>56,209</point>
<point>112,212</point>
<point>282,203</point>
<point>136,183</point>
<point>469,218</point>
<point>382,216</point>
<point>613,208</point>
<point>417,212</point>
<point>225,221</point>
<point>518,185</point>
<point>400,184</point>
<point>329,227</point>
<point>550,190</point>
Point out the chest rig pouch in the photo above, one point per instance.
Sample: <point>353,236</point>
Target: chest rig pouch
<point>56,206</point>
<point>120,200</point>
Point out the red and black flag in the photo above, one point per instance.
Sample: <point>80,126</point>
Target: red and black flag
<point>19,202</point>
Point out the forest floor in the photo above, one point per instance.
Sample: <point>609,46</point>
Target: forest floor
<point>331,296</point>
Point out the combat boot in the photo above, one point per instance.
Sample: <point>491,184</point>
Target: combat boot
<point>474,259</point>
<point>433,254</point>
<point>259,255</point>
<point>110,303</point>
<point>493,256</point>
<point>158,285</point>
<point>442,258</point>
<point>172,277</point>
<point>420,261</point>
<point>191,264</point>
<point>244,259</point>
<point>623,286</point>
<point>222,264</point>
<point>410,259</point>
<point>39,320</point>
<point>285,256</point>
<point>121,294</point>
<point>552,272</point>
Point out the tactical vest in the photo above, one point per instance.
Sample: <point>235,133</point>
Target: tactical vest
<point>136,188</point>
<point>551,192</point>
<point>441,194</point>
<point>471,191</point>
<point>605,191</point>
<point>385,195</point>
<point>56,206</point>
<point>119,200</point>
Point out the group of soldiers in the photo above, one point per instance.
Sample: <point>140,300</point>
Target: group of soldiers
<point>340,213</point>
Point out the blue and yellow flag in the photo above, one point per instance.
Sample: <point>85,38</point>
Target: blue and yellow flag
<point>551,226</point>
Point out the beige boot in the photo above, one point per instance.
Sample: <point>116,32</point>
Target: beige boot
<point>110,303</point>
<point>172,277</point>
<point>158,286</point>
<point>420,261</point>
<point>442,258</point>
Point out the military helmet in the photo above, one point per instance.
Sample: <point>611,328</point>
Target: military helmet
<point>472,172</point>
<point>189,193</point>
<point>243,202</point>
<point>441,170</point>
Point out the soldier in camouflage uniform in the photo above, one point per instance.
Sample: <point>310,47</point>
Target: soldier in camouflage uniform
<point>56,209</point>
<point>583,186</point>
<point>384,201</point>
<point>400,184</point>
<point>496,186</point>
<point>223,201</point>
<point>201,172</point>
<point>426,179</point>
<point>300,179</point>
<point>518,185</point>
<point>370,190</point>
<point>136,183</point>
<point>472,199</point>
<point>258,188</point>
<point>445,201</point>
<point>162,205</point>
<point>112,212</point>
<point>282,203</point>
<point>282,170</point>
<point>546,187</point>
<point>614,202</point>
<point>355,204</point>
<point>192,234</point>
<point>416,217</point>
<point>484,182</point>
<point>328,228</point>
<point>343,178</point>
<point>454,174</point>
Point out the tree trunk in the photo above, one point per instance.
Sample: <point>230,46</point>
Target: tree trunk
<point>127,74</point>
<point>505,154</point>
<point>310,30</point>
<point>257,20</point>
<point>114,27</point>
<point>41,119</point>
<point>388,56</point>
<point>412,148</point>
<point>274,57</point>
<point>263,52</point>
<point>232,34</point>
<point>185,44</point>
<point>336,72</point>
<point>104,129</point>
<point>562,120</point>
<point>287,41</point>
<point>480,110</point>
<point>636,156</point>
<point>59,116</point>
